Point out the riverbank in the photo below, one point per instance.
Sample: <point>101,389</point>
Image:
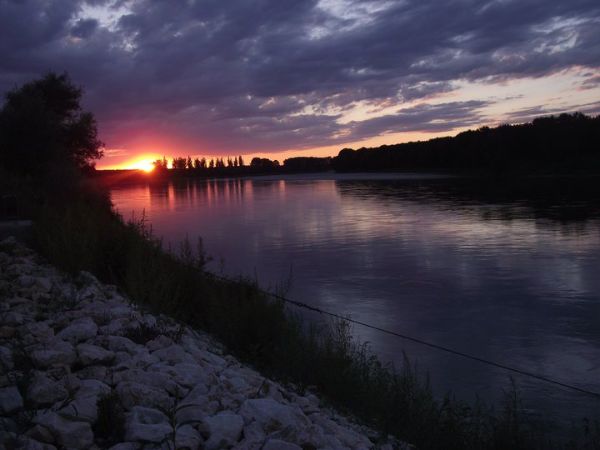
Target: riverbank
<point>82,367</point>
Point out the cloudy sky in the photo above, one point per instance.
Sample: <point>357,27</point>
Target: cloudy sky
<point>300,77</point>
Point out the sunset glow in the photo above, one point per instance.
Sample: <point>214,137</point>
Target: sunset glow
<point>144,165</point>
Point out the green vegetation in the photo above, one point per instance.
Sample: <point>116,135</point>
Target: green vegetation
<point>76,229</point>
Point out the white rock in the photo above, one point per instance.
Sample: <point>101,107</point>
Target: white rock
<point>174,354</point>
<point>79,330</point>
<point>122,344</point>
<point>276,444</point>
<point>126,446</point>
<point>12,318</point>
<point>187,438</point>
<point>154,379</point>
<point>213,359</point>
<point>56,352</point>
<point>273,415</point>
<point>44,284</point>
<point>69,434</point>
<point>135,394</point>
<point>147,425</point>
<point>223,430</point>
<point>10,400</point>
<point>83,408</point>
<point>85,404</point>
<point>6,359</point>
<point>40,330</point>
<point>159,342</point>
<point>32,444</point>
<point>185,374</point>
<point>45,391</point>
<point>89,355</point>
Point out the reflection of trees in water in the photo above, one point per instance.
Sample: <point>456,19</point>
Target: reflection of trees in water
<point>571,201</point>
<point>191,192</point>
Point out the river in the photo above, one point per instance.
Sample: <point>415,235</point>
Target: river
<point>514,278</point>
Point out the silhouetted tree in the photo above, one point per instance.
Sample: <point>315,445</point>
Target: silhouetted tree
<point>240,161</point>
<point>189,164</point>
<point>42,125</point>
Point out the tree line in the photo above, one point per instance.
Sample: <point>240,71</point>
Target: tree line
<point>553,143</point>
<point>197,164</point>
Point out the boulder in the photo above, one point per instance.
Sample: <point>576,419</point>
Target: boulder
<point>147,425</point>
<point>174,354</point>
<point>85,404</point>
<point>79,330</point>
<point>44,391</point>
<point>276,444</point>
<point>6,359</point>
<point>187,437</point>
<point>89,355</point>
<point>223,430</point>
<point>10,400</point>
<point>56,352</point>
<point>136,394</point>
<point>273,415</point>
<point>68,433</point>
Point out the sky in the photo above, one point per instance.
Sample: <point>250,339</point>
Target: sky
<point>282,78</point>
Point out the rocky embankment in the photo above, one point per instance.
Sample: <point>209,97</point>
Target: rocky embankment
<point>81,367</point>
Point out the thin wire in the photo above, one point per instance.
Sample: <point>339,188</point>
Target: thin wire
<point>422,342</point>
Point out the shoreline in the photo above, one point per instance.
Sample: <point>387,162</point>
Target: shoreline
<point>66,344</point>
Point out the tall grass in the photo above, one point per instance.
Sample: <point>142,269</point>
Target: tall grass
<point>85,234</point>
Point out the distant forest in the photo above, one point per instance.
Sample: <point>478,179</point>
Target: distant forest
<point>554,143</point>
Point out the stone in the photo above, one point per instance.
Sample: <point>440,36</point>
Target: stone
<point>79,330</point>
<point>174,354</point>
<point>99,373</point>
<point>84,409</point>
<point>136,394</point>
<point>68,433</point>
<point>40,330</point>
<point>213,359</point>
<point>276,444</point>
<point>44,391</point>
<point>6,359</point>
<point>85,404</point>
<point>44,284</point>
<point>186,374</point>
<point>32,444</point>
<point>223,430</point>
<point>88,355</point>
<point>12,318</point>
<point>126,446</point>
<point>187,437</point>
<point>56,352</point>
<point>122,344</point>
<point>273,415</point>
<point>238,384</point>
<point>159,342</point>
<point>10,400</point>
<point>41,434</point>
<point>147,425</point>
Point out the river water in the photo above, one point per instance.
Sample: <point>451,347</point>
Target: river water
<point>514,278</point>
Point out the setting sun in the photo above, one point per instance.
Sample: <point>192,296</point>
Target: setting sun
<point>144,164</point>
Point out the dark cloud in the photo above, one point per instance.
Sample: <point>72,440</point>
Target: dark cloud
<point>84,28</point>
<point>277,74</point>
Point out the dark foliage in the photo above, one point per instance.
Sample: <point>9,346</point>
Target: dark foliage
<point>43,130</point>
<point>556,144</point>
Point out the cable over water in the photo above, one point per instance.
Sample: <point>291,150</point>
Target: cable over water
<point>425,343</point>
